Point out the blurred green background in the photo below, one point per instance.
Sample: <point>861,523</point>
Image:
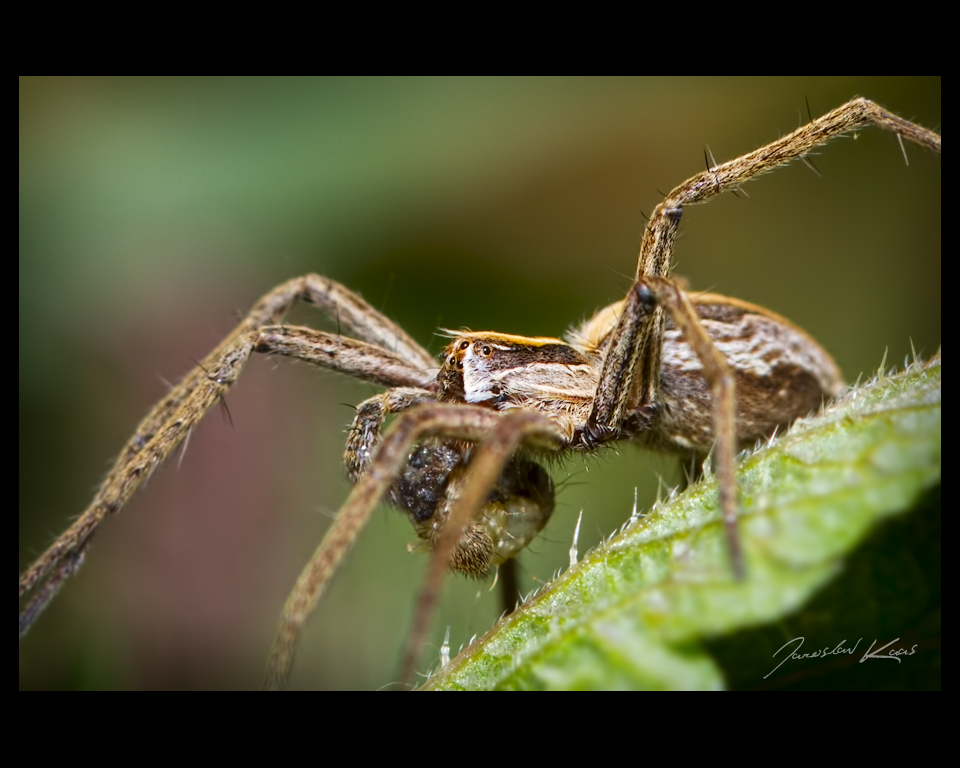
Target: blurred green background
<point>153,213</point>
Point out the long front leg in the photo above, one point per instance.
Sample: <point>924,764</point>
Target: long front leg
<point>342,354</point>
<point>170,421</point>
<point>457,422</point>
<point>499,436</point>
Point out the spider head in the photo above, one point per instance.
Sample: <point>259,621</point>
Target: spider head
<point>502,370</point>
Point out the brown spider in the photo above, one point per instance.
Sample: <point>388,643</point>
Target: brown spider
<point>631,372</point>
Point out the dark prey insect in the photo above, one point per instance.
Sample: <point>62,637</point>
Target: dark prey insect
<point>678,371</point>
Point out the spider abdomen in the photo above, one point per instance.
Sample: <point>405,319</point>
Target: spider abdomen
<point>780,374</point>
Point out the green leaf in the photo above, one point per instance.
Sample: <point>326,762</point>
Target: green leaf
<point>840,523</point>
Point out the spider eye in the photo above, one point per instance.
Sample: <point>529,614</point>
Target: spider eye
<point>452,360</point>
<point>464,345</point>
<point>485,351</point>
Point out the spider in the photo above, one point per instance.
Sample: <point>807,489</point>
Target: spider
<point>662,367</point>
